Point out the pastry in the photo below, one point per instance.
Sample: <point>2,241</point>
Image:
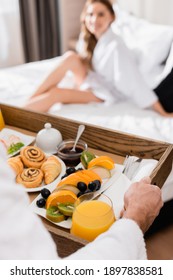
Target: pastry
<point>51,169</point>
<point>16,164</point>
<point>32,156</point>
<point>30,177</point>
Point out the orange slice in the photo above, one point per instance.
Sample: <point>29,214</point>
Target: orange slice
<point>103,161</point>
<point>91,175</point>
<point>71,179</point>
<point>85,176</point>
<point>62,196</point>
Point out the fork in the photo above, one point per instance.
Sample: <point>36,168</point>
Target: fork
<point>127,163</point>
<point>131,165</point>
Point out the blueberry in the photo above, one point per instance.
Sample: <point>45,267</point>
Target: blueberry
<point>41,202</point>
<point>92,186</point>
<point>81,186</point>
<point>70,170</point>
<point>98,184</point>
<point>45,193</point>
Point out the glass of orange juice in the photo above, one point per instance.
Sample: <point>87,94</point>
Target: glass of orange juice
<point>92,217</point>
<point>2,124</point>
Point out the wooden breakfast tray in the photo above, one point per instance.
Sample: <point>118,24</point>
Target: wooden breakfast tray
<point>100,139</point>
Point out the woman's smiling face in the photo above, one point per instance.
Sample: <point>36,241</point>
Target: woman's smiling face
<point>98,19</point>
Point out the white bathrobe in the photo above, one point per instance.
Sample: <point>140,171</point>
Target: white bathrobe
<point>23,236</point>
<point>116,76</point>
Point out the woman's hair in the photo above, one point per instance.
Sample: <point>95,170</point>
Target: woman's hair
<point>89,39</point>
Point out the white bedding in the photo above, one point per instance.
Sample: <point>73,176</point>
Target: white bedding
<point>18,83</point>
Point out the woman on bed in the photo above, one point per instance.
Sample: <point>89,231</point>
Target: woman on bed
<point>104,70</point>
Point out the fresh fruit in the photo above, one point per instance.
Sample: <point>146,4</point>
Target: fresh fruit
<point>85,176</point>
<point>103,161</point>
<point>53,214</point>
<point>66,208</point>
<point>92,186</point>
<point>68,187</point>
<point>71,179</point>
<point>88,175</point>
<point>45,193</point>
<point>103,172</point>
<point>98,185</point>
<point>70,170</point>
<point>86,157</point>
<point>61,196</point>
<point>41,202</point>
<point>82,187</point>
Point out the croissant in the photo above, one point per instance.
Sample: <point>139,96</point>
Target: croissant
<point>16,164</point>
<point>30,177</point>
<point>32,156</point>
<point>51,169</point>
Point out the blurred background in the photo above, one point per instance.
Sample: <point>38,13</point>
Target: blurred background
<point>32,30</point>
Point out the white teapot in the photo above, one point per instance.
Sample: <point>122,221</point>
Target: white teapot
<point>48,139</point>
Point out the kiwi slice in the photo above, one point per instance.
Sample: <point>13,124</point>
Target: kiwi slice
<point>66,208</point>
<point>53,214</point>
<point>86,157</point>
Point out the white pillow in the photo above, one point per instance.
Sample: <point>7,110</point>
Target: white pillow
<point>150,42</point>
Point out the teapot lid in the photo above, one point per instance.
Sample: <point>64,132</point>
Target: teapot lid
<point>48,138</point>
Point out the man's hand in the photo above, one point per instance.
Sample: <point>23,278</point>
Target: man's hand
<point>142,203</point>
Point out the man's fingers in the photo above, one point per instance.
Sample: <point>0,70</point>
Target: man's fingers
<point>122,213</point>
<point>146,180</point>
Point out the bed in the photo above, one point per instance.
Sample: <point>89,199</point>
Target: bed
<point>155,58</point>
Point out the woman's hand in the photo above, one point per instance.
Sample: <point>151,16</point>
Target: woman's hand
<point>157,106</point>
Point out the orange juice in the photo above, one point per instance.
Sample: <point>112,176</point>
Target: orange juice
<point>91,218</point>
<point>2,124</point>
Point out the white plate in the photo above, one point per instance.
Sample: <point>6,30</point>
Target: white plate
<point>107,184</point>
<point>52,185</point>
<point>25,139</point>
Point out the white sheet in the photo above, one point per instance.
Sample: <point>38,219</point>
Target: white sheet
<point>150,43</point>
<point>18,83</point>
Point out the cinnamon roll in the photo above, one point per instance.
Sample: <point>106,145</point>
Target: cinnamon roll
<point>32,156</point>
<point>30,177</point>
<point>16,164</point>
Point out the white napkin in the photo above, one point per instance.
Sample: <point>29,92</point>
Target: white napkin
<point>116,193</point>
<point>145,168</point>
<point>117,190</point>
